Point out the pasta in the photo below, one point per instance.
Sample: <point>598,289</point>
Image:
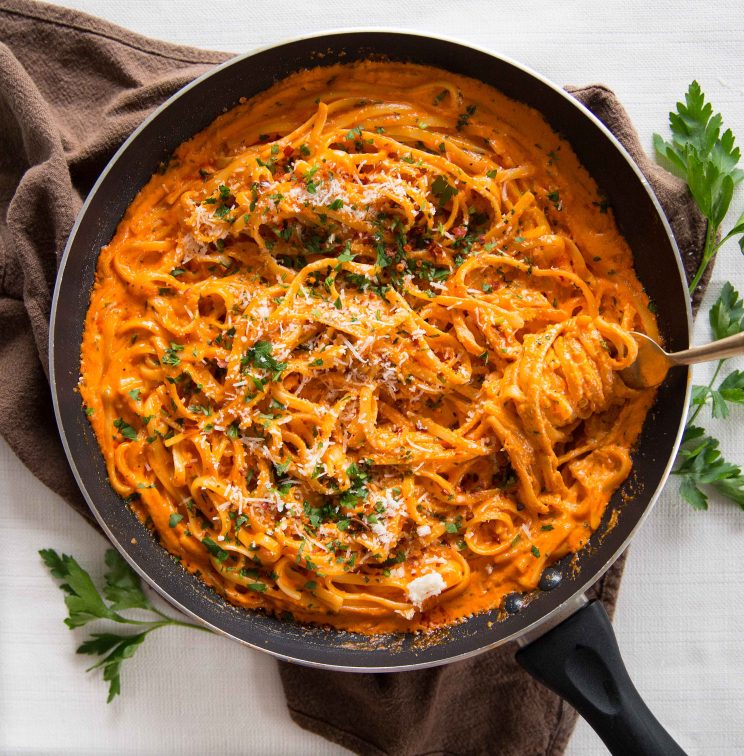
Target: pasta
<point>353,352</point>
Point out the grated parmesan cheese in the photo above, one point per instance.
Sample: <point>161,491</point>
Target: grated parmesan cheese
<point>425,587</point>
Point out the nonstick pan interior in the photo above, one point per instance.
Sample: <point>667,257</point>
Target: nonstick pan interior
<point>639,218</point>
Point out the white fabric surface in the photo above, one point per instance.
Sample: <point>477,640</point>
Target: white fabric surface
<point>681,605</point>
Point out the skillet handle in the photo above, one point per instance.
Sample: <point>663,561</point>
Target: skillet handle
<point>580,660</point>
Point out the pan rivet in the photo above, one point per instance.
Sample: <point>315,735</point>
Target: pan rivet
<point>550,579</point>
<point>514,602</point>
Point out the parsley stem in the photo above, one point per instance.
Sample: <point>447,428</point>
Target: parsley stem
<point>709,252</point>
<point>155,624</point>
<point>167,620</point>
<point>170,621</point>
<point>127,621</point>
<point>691,420</point>
<point>190,624</point>
<point>157,611</point>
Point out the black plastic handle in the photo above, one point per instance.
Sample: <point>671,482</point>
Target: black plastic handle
<point>580,660</point>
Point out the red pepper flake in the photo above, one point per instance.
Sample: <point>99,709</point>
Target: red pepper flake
<point>289,150</point>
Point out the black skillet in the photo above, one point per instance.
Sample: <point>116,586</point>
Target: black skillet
<point>578,657</point>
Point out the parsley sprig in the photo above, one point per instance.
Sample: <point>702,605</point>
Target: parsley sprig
<point>700,460</point>
<point>703,465</point>
<point>707,159</point>
<point>85,603</point>
<point>726,319</point>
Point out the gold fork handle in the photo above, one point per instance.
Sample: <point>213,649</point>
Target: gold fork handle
<point>716,350</point>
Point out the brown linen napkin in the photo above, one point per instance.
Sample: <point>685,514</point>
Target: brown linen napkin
<point>72,88</point>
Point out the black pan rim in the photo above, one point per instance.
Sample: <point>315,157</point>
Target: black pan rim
<point>549,617</point>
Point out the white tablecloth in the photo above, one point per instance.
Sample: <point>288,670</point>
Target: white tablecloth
<point>681,607</point>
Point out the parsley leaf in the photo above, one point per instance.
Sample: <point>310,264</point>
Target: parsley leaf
<point>703,465</point>
<point>464,118</point>
<point>123,589</point>
<point>706,157</point>
<point>83,601</point>
<point>732,387</point>
<point>215,549</point>
<point>125,429</point>
<point>357,490</point>
<point>170,356</point>
<point>260,355</point>
<point>440,96</point>
<point>346,255</point>
<point>119,648</point>
<point>727,314</point>
<point>726,319</point>
<point>443,190</point>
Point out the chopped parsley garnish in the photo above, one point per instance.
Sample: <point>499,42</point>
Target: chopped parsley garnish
<point>464,118</point>
<point>282,467</point>
<point>214,549</point>
<point>310,185</point>
<point>174,519</point>
<point>221,212</point>
<point>454,527</point>
<point>440,96</point>
<point>357,490</point>
<point>170,357</point>
<point>125,429</point>
<point>260,356</point>
<point>555,199</point>
<point>200,409</point>
<point>271,165</point>
<point>346,255</point>
<point>443,190</point>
